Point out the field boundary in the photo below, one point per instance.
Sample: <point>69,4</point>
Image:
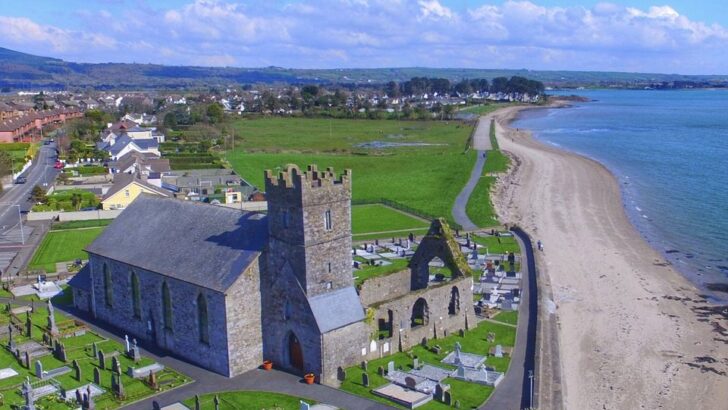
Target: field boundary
<point>401,208</point>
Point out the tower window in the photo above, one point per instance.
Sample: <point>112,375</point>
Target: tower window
<point>284,217</point>
<point>329,267</point>
<point>327,220</point>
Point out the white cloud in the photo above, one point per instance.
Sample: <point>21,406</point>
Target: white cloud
<point>370,33</point>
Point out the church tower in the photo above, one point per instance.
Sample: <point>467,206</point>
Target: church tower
<point>309,224</point>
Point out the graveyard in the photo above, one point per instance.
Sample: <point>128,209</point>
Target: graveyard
<point>51,361</point>
<point>247,399</point>
<point>62,245</point>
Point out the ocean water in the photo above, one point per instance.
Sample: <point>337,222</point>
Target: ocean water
<point>669,151</point>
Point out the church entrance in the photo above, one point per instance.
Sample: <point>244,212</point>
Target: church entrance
<point>295,352</point>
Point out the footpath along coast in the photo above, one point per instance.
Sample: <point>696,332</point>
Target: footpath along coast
<point>628,330</point>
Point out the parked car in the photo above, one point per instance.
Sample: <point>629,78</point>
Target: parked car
<point>21,180</point>
<point>58,165</point>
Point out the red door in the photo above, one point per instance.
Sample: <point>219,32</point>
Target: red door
<point>295,352</point>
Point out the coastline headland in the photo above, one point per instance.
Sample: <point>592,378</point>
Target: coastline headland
<point>631,331</point>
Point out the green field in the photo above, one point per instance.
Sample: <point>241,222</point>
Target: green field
<point>496,161</point>
<point>498,244</point>
<point>484,109</point>
<point>480,208</point>
<point>253,400</point>
<point>426,178</point>
<point>470,395</point>
<point>368,272</point>
<point>62,246</point>
<point>367,219</point>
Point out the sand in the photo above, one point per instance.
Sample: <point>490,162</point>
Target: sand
<point>633,333</point>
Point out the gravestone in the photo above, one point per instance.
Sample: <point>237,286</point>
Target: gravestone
<point>461,371</point>
<point>390,367</point>
<point>416,363</point>
<point>491,337</point>
<point>341,374</point>
<point>197,402</point>
<point>52,328</point>
<point>156,406</point>
<point>127,345</point>
<point>216,401</point>
<point>28,325</point>
<point>424,342</point>
<point>498,351</point>
<point>38,369</point>
<point>28,395</point>
<point>364,365</point>
<point>380,371</point>
<point>410,382</point>
<point>152,380</point>
<point>79,396</point>
<point>77,370</point>
<point>304,406</point>
<point>89,399</point>
<point>439,391</point>
<point>96,350</point>
<point>116,386</point>
<point>11,344</point>
<point>102,360</point>
<point>27,359</point>
<point>457,404</point>
<point>461,332</point>
<point>135,353</point>
<point>447,398</point>
<point>365,379</point>
<point>97,376</point>
<point>474,254</point>
<point>115,365</point>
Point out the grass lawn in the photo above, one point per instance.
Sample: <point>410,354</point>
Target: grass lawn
<point>470,395</point>
<point>510,317</point>
<point>495,162</point>
<point>368,272</point>
<point>480,208</point>
<point>62,200</point>
<point>62,246</point>
<point>81,224</point>
<point>426,178</point>
<point>389,235</point>
<point>253,400</point>
<point>380,218</point>
<point>498,244</point>
<point>78,348</point>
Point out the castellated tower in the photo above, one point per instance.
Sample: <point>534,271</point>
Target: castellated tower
<point>309,222</point>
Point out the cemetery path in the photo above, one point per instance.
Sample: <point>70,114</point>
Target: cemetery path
<point>514,391</point>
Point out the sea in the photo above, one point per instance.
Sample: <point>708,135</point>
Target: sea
<point>669,152</point>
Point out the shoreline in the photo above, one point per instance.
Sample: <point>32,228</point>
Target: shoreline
<point>632,329</point>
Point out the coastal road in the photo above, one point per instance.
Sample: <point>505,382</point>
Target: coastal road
<point>515,391</point>
<point>481,143</point>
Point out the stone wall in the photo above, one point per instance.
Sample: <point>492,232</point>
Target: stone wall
<point>440,322</point>
<point>183,339</point>
<point>344,347</point>
<point>243,315</point>
<point>382,288</point>
<point>81,299</point>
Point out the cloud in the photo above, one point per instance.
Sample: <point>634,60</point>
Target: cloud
<point>376,33</point>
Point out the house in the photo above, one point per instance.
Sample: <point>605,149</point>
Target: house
<point>140,118</point>
<point>144,163</point>
<point>126,188</point>
<point>125,144</point>
<point>205,182</point>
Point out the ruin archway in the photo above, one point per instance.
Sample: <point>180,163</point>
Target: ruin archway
<point>295,352</point>
<point>438,243</point>
<point>420,313</point>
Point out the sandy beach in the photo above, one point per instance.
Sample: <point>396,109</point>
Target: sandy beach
<point>632,332</point>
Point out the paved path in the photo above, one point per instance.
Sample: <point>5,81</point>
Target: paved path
<point>481,143</point>
<point>513,392</point>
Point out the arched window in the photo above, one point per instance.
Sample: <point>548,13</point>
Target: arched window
<point>166,307</point>
<point>108,291</point>
<point>454,307</point>
<point>287,310</point>
<point>420,313</point>
<point>135,295</point>
<point>202,322</point>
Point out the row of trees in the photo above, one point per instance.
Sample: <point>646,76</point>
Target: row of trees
<point>443,86</point>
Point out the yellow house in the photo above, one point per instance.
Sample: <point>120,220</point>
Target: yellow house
<point>126,188</point>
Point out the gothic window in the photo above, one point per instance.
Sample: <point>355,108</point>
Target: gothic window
<point>166,307</point>
<point>327,220</point>
<point>202,322</point>
<point>136,295</point>
<point>454,307</point>
<point>420,313</point>
<point>287,310</point>
<point>108,292</point>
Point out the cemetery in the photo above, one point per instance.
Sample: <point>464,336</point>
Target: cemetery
<point>250,400</point>
<point>50,361</point>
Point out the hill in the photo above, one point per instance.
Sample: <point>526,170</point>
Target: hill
<point>25,71</point>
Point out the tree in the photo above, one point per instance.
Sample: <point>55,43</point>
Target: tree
<point>392,89</point>
<point>214,113</point>
<point>170,121</point>
<point>76,200</point>
<point>38,195</point>
<point>6,164</point>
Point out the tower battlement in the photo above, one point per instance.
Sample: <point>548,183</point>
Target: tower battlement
<point>292,178</point>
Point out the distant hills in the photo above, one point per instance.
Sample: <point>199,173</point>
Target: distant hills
<point>25,71</point>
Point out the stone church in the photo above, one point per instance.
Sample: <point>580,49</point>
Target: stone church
<point>226,289</point>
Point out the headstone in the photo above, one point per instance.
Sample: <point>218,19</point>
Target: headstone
<point>447,398</point>
<point>416,363</point>
<point>77,370</point>
<point>96,349</point>
<point>364,365</point>
<point>424,342</point>
<point>135,353</point>
<point>28,395</point>
<point>390,367</point>
<point>127,344</point>
<point>439,391</point>
<point>474,254</point>
<point>28,325</point>
<point>461,332</point>
<point>152,380</point>
<point>380,371</point>
<point>216,401</point>
<point>89,399</point>
<point>79,396</point>
<point>457,404</point>
<point>341,374</point>
<point>410,382</point>
<point>461,371</point>
<point>27,359</point>
<point>365,379</point>
<point>51,319</point>
<point>102,360</point>
<point>156,406</point>
<point>197,402</point>
<point>11,343</point>
<point>97,376</point>
<point>498,351</point>
<point>115,365</point>
<point>304,406</point>
<point>38,369</point>
<point>491,337</point>
<point>116,385</point>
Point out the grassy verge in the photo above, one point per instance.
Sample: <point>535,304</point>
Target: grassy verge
<point>62,246</point>
<point>484,109</point>
<point>495,162</point>
<point>254,400</point>
<point>498,244</point>
<point>480,208</point>
<point>81,224</point>
<point>379,218</point>
<point>470,395</point>
<point>510,317</point>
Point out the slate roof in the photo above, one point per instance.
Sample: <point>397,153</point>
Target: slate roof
<point>336,309</point>
<point>206,245</point>
<point>123,180</point>
<point>82,279</point>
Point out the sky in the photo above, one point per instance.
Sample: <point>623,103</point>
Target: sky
<point>662,36</point>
